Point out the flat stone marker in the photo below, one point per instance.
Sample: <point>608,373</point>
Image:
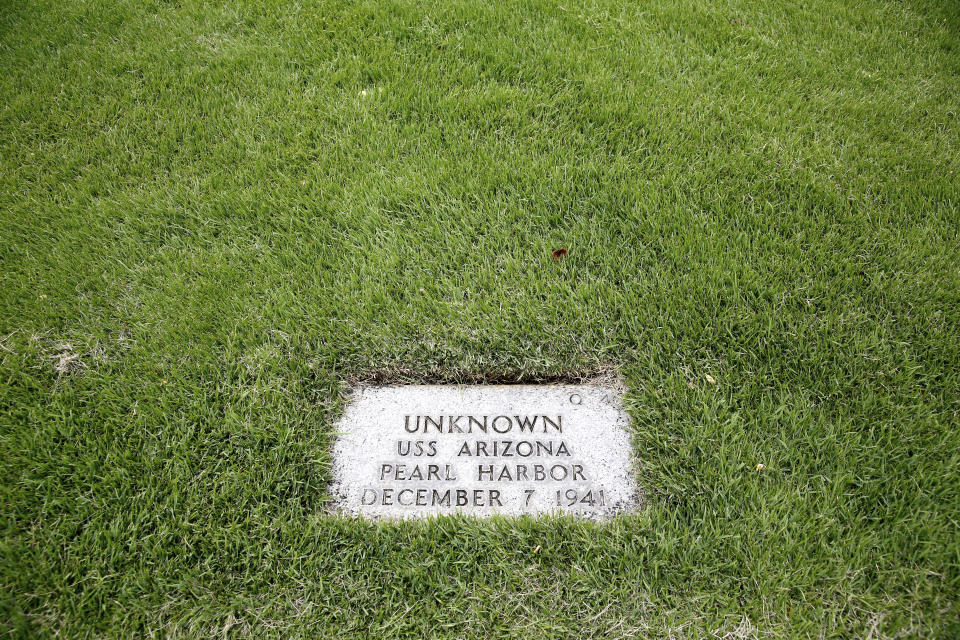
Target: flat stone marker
<point>413,451</point>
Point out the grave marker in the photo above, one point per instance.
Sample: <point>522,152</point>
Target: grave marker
<point>414,451</point>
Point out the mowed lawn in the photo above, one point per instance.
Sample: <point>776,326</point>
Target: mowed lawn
<point>214,218</point>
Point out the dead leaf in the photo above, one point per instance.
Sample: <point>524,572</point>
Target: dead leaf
<point>67,361</point>
<point>691,384</point>
<point>709,378</point>
<point>229,624</point>
<point>559,254</point>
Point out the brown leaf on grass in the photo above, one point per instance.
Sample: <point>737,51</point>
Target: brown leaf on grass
<point>559,254</point>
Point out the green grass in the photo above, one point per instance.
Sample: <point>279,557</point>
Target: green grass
<point>212,219</point>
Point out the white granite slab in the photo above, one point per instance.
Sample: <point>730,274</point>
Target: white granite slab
<point>418,450</point>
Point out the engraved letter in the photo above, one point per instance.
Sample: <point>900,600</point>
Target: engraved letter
<point>406,424</point>
<point>452,424</point>
<point>526,424</point>
<point>480,425</point>
<point>556,425</point>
